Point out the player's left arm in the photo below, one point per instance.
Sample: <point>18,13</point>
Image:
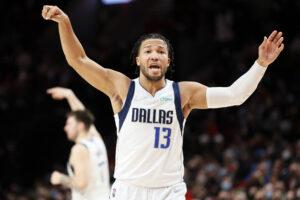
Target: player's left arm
<point>197,96</point>
<point>80,161</point>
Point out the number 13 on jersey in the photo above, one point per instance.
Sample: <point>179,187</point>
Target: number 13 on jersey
<point>166,132</point>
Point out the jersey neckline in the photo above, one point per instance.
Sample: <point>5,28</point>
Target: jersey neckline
<point>157,92</point>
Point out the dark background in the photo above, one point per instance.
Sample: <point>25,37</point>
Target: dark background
<point>215,42</point>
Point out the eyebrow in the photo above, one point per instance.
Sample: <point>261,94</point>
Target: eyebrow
<point>149,45</point>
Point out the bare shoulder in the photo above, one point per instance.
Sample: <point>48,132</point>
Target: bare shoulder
<point>118,89</point>
<point>190,88</point>
<point>79,153</point>
<point>190,85</point>
<point>193,96</point>
<point>121,82</point>
<point>79,149</point>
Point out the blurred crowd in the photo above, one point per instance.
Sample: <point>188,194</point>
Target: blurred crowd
<point>247,152</point>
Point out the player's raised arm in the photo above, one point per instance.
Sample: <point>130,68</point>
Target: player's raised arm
<point>195,95</point>
<point>110,82</point>
<point>60,93</point>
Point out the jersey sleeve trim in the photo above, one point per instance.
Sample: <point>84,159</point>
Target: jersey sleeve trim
<point>123,113</point>
<point>179,113</point>
<point>83,144</point>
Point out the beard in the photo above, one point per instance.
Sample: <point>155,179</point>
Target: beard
<point>153,78</point>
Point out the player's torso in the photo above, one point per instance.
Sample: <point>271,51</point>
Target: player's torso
<point>98,187</point>
<point>149,146</point>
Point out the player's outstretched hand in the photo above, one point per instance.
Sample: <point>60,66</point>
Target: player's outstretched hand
<point>59,93</point>
<point>270,48</point>
<point>53,13</point>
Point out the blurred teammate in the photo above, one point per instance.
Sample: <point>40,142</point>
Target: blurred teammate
<point>150,111</point>
<point>88,165</point>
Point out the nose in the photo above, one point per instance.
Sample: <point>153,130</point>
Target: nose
<point>65,128</point>
<point>154,56</point>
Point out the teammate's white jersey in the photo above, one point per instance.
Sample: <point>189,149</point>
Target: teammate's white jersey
<point>150,136</point>
<point>99,184</point>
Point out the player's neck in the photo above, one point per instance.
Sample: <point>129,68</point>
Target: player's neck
<point>152,86</point>
<point>82,136</point>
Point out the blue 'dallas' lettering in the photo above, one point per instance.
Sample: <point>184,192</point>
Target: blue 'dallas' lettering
<point>152,116</point>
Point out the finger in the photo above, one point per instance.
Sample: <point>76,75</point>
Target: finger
<point>277,37</point>
<point>50,90</point>
<point>279,41</point>
<point>45,10</point>
<point>47,7</point>
<point>272,35</point>
<point>52,12</point>
<point>263,44</point>
<point>265,41</point>
<point>281,47</point>
<point>49,13</point>
<point>57,97</point>
<point>278,50</point>
<point>268,43</point>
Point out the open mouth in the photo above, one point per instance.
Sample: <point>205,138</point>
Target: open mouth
<point>154,67</point>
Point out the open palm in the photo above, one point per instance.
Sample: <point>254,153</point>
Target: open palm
<point>270,48</point>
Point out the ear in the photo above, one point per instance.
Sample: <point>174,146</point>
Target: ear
<point>137,59</point>
<point>169,61</point>
<point>81,126</point>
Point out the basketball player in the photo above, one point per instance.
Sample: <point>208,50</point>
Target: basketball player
<point>88,165</point>
<point>150,111</point>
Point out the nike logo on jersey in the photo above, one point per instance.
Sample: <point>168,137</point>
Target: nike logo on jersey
<point>152,116</point>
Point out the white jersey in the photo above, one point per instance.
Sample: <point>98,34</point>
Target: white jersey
<point>150,136</point>
<point>99,184</point>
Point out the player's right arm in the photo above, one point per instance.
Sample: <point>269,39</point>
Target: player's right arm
<point>114,84</point>
<point>59,93</point>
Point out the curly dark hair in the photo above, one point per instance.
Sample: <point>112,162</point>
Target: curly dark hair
<point>136,48</point>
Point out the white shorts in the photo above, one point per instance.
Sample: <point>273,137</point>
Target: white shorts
<point>124,191</point>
